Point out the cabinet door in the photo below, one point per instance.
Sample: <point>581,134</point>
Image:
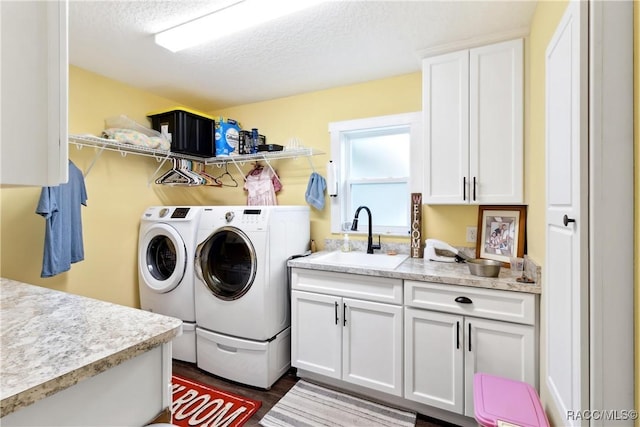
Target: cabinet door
<point>316,333</point>
<point>34,85</point>
<point>372,345</point>
<point>445,105</point>
<point>495,123</point>
<point>497,348</point>
<point>434,349</point>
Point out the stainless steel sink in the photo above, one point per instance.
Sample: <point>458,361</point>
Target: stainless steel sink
<point>361,259</point>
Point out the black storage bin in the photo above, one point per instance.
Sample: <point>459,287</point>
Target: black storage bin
<point>191,133</point>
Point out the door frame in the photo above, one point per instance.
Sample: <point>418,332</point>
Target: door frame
<point>611,207</point>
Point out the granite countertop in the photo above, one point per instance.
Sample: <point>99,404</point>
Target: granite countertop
<point>52,340</point>
<point>425,271</point>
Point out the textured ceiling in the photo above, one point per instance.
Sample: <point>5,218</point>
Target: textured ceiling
<point>333,44</point>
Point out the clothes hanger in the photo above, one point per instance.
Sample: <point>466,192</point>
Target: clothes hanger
<point>176,176</point>
<point>226,173</point>
<point>257,169</point>
<point>186,166</point>
<point>210,180</point>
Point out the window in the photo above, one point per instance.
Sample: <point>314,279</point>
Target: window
<point>376,161</point>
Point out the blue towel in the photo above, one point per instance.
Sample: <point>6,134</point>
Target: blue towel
<point>315,191</point>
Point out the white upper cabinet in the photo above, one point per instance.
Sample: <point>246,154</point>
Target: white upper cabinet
<point>34,87</point>
<point>473,121</point>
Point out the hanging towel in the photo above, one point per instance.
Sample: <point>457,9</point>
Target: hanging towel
<point>60,206</point>
<point>315,191</point>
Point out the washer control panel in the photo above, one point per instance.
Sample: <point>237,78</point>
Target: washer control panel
<point>170,213</point>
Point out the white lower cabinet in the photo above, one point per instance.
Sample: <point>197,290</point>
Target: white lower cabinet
<point>443,350</point>
<point>352,339</point>
<point>434,359</point>
<point>497,348</point>
<point>418,341</point>
<point>316,339</point>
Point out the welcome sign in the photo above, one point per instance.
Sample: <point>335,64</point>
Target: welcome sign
<point>416,225</point>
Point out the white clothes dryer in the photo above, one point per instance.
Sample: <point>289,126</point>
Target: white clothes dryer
<point>241,290</point>
<point>166,249</point>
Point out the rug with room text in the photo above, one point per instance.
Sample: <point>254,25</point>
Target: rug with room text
<point>196,404</point>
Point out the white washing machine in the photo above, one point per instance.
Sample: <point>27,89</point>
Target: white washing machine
<point>166,249</point>
<point>241,290</point>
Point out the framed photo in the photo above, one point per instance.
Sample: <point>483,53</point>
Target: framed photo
<point>501,232</point>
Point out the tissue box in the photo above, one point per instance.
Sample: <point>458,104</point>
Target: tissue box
<point>189,131</point>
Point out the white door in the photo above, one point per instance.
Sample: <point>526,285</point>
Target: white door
<point>316,333</point>
<point>495,123</point>
<point>445,105</point>
<point>372,345</point>
<point>434,349</point>
<point>497,348</point>
<point>566,274</point>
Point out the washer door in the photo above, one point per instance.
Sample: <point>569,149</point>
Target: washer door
<point>226,262</point>
<point>162,258</point>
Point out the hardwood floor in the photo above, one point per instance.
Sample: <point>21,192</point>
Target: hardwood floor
<point>268,397</point>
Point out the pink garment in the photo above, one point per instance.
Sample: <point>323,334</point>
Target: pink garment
<point>262,185</point>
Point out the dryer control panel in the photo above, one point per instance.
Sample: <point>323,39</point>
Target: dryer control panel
<point>247,219</point>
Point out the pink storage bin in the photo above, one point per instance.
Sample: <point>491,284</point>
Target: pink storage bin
<point>509,402</point>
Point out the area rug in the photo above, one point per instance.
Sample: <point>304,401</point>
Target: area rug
<point>310,405</point>
<point>197,404</point>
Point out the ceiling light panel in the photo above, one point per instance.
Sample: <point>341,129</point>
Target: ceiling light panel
<point>232,19</point>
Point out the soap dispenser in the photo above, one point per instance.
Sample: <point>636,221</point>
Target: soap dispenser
<point>346,245</point>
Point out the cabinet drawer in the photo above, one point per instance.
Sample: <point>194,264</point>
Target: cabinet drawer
<point>371,288</point>
<point>487,303</point>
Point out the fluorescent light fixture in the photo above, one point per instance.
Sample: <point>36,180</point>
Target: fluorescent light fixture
<point>238,16</point>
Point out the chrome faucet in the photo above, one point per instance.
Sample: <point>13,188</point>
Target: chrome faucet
<point>354,227</point>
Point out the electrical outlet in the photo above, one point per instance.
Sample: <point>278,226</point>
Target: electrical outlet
<point>472,234</point>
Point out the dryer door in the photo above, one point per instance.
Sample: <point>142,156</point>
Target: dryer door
<point>226,262</point>
<point>162,258</point>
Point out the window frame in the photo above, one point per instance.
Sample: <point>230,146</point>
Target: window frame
<point>340,132</point>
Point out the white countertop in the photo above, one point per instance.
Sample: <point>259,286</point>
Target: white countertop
<point>51,340</point>
<point>425,271</point>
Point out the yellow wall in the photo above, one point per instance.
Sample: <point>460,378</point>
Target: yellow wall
<point>118,192</point>
<point>117,195</point>
<point>307,117</point>
<point>546,18</point>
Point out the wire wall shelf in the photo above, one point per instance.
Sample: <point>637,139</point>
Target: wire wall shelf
<point>102,144</point>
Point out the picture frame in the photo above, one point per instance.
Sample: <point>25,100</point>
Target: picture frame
<point>501,232</point>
